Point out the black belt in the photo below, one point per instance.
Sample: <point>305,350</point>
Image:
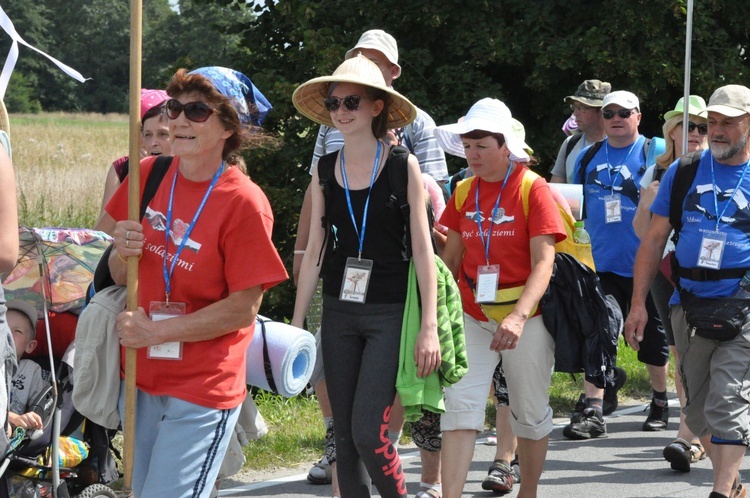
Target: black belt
<point>704,274</point>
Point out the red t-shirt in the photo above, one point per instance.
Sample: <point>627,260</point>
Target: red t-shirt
<point>229,250</point>
<point>511,231</point>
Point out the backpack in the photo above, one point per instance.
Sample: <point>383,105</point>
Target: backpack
<point>572,143</point>
<point>102,276</point>
<point>582,252</point>
<point>398,179</point>
<point>684,175</point>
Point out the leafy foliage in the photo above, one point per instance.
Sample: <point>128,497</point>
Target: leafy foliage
<point>528,54</point>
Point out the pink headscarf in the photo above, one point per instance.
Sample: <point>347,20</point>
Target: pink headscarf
<point>151,98</point>
<point>570,126</point>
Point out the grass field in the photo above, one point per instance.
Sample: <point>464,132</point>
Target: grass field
<point>61,161</point>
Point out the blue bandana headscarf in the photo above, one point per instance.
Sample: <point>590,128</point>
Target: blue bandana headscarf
<point>239,90</point>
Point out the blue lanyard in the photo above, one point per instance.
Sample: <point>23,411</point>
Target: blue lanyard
<point>360,234</point>
<point>609,166</point>
<point>486,243</point>
<point>168,274</point>
<point>716,200</point>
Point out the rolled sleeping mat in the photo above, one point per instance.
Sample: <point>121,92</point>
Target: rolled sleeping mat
<point>280,357</point>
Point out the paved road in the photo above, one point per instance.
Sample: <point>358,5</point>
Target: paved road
<point>628,464</point>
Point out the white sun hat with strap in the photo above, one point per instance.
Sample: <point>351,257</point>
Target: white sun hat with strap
<point>489,115</point>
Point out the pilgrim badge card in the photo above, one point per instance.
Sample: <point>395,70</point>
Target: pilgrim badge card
<point>487,279</point>
<point>158,311</point>
<point>356,280</point>
<point>712,250</point>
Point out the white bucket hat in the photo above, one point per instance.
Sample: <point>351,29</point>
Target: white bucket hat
<point>309,96</point>
<point>487,115</point>
<point>377,39</point>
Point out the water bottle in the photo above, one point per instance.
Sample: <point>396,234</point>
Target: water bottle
<point>744,289</point>
<point>581,236</point>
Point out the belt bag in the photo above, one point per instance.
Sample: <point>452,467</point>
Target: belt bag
<point>505,302</point>
<point>716,319</point>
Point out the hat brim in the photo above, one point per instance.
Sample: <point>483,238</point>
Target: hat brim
<point>28,309</point>
<point>308,99</point>
<point>352,52</point>
<point>691,112</point>
<point>583,100</point>
<point>730,112</point>
<point>449,137</point>
<point>4,119</point>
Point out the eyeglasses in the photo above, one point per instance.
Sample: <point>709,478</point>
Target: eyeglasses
<point>194,111</point>
<point>623,113</point>
<point>702,128</point>
<point>579,107</point>
<point>351,102</point>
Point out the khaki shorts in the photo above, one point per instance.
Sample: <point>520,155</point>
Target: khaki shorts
<point>528,372</point>
<point>716,379</point>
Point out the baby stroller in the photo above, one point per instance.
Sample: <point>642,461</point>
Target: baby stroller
<point>33,469</point>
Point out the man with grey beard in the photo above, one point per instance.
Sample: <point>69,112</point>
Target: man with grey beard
<point>713,253</point>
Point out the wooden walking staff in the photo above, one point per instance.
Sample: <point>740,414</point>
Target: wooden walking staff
<point>136,10</point>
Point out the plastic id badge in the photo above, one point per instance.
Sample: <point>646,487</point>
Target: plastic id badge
<point>357,274</point>
<point>712,250</point>
<point>487,279</point>
<point>612,208</point>
<point>159,310</point>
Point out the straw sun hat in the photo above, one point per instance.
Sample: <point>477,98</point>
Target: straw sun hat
<point>487,115</point>
<point>308,97</point>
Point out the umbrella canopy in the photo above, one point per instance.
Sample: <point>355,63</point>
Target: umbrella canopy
<point>56,265</point>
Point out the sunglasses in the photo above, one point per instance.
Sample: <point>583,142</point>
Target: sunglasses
<point>351,102</point>
<point>194,111</point>
<point>702,128</point>
<point>623,113</point>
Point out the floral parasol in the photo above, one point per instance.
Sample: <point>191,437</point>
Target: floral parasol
<point>66,256</point>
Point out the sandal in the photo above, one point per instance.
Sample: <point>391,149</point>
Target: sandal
<point>678,454</point>
<point>738,490</point>
<point>697,451</point>
<point>427,493</point>
<point>500,478</point>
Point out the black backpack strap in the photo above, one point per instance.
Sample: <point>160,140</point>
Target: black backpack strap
<point>585,160</point>
<point>158,171</point>
<point>645,165</point>
<point>684,175</point>
<point>683,179</point>
<point>124,170</point>
<point>572,143</point>
<point>102,277</point>
<point>398,181</point>
<point>266,358</point>
<point>658,173</point>
<point>326,179</point>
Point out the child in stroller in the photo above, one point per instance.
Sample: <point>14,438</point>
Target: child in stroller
<point>82,449</point>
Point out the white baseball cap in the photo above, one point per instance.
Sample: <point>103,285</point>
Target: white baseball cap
<point>624,99</point>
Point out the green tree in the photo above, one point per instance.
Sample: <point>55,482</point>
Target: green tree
<point>528,54</point>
